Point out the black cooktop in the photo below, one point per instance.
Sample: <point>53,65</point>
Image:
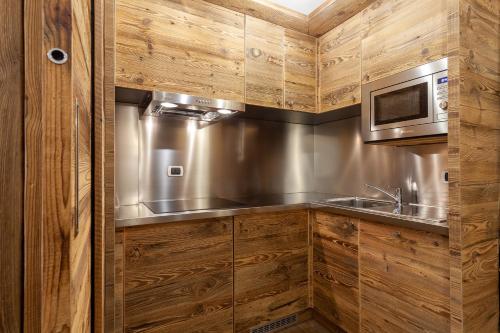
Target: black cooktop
<point>172,206</point>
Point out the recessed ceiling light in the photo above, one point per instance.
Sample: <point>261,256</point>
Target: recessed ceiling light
<point>224,111</point>
<point>168,105</point>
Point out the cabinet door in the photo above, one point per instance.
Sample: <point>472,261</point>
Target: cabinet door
<point>404,280</point>
<point>187,46</point>
<point>402,34</point>
<point>178,276</point>
<point>335,269</point>
<point>340,66</point>
<point>300,71</point>
<point>264,63</point>
<point>270,268</point>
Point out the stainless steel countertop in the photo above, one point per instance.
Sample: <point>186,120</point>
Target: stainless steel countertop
<point>135,215</point>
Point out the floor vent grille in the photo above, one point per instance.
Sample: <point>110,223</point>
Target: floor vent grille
<point>275,325</point>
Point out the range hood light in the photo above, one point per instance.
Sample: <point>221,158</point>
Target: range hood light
<point>168,105</point>
<point>224,111</point>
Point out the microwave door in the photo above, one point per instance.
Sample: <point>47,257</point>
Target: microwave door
<point>406,104</point>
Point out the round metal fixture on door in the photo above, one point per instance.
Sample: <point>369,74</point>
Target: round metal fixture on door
<point>57,56</point>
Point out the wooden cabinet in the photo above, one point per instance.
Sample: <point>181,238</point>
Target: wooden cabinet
<point>335,269</point>
<point>264,63</point>
<point>340,66</point>
<point>300,71</point>
<point>404,280</point>
<point>402,34</point>
<point>178,276</point>
<point>188,46</point>
<point>270,268</point>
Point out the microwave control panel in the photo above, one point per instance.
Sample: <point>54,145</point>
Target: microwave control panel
<point>440,84</point>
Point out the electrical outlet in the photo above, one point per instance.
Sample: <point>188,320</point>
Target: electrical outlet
<point>175,171</point>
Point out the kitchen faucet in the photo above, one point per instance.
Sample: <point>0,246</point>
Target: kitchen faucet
<point>396,196</point>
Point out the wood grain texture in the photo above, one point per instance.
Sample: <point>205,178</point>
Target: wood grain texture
<point>267,11</point>
<point>309,326</point>
<point>11,166</point>
<point>179,276</point>
<point>402,34</point>
<point>335,277</point>
<point>300,71</point>
<point>57,270</point>
<point>264,63</point>
<point>119,287</point>
<point>339,64</point>
<point>104,111</point>
<point>404,280</point>
<point>474,139</point>
<point>270,267</point>
<point>183,46</point>
<point>332,13</point>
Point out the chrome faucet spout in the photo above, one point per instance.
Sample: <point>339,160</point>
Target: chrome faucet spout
<point>396,196</point>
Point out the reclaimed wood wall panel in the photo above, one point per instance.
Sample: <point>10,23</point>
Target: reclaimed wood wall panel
<point>119,287</point>
<point>178,276</point>
<point>264,63</point>
<point>339,64</point>
<point>402,34</point>
<point>182,46</point>
<point>300,71</point>
<point>474,139</point>
<point>104,206</point>
<point>268,11</point>
<point>11,166</point>
<point>404,280</point>
<point>335,273</point>
<point>270,267</point>
<point>332,13</point>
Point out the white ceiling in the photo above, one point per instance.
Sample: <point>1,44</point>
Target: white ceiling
<point>302,6</point>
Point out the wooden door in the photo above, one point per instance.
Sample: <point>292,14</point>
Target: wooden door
<point>270,267</point>
<point>339,64</point>
<point>300,72</point>
<point>264,63</point>
<point>189,46</point>
<point>58,166</point>
<point>404,280</point>
<point>176,277</point>
<point>335,269</point>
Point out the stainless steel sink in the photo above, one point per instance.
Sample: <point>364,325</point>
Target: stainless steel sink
<point>355,202</point>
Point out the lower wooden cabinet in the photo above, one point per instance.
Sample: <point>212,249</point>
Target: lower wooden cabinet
<point>335,269</point>
<point>178,277</point>
<point>270,268</point>
<point>404,280</point>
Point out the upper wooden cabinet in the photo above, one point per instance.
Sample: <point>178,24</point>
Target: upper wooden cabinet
<point>402,34</point>
<point>340,66</point>
<point>300,71</point>
<point>184,46</point>
<point>264,63</point>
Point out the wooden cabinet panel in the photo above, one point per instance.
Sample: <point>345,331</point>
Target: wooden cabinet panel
<point>335,269</point>
<point>300,71</point>
<point>264,63</point>
<point>178,46</point>
<point>271,267</point>
<point>179,276</point>
<point>340,66</point>
<point>404,280</point>
<point>402,34</point>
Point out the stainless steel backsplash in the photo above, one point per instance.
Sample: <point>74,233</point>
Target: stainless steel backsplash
<point>243,157</point>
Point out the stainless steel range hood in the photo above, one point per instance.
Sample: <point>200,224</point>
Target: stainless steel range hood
<point>164,104</point>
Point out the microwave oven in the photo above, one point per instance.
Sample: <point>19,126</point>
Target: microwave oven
<point>409,104</point>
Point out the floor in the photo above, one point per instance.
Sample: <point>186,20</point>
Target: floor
<point>309,326</point>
